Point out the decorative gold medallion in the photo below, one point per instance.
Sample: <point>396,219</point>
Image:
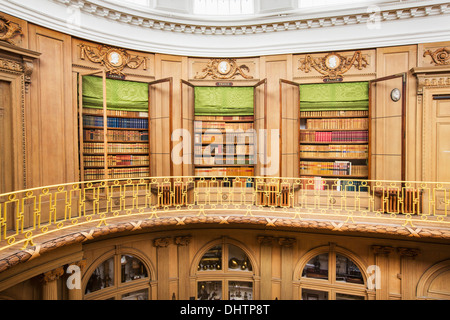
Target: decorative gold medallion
<point>224,69</point>
<point>115,60</point>
<point>333,65</point>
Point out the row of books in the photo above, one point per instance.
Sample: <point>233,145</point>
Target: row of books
<point>115,135</point>
<point>117,113</point>
<point>337,113</point>
<point>116,160</point>
<point>330,124</point>
<point>224,118</point>
<point>224,172</point>
<point>116,173</point>
<point>224,150</point>
<point>336,168</point>
<point>234,160</point>
<point>98,147</point>
<point>127,123</point>
<point>334,151</point>
<point>335,136</point>
<point>223,138</point>
<point>319,183</point>
<point>222,126</point>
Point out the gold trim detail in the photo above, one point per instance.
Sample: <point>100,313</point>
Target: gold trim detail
<point>440,57</point>
<point>9,30</point>
<point>333,66</point>
<point>115,60</point>
<point>215,70</point>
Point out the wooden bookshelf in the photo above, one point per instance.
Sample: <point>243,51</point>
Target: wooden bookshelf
<point>334,144</point>
<point>124,151</point>
<point>114,144</point>
<point>216,154</point>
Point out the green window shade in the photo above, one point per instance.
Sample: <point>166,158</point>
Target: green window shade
<point>334,96</point>
<point>120,95</point>
<point>217,101</point>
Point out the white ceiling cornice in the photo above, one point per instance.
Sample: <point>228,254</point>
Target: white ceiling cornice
<point>385,25</point>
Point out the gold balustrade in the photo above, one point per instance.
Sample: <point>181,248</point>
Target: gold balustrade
<point>29,214</point>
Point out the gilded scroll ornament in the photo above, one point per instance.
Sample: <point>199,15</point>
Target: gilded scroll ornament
<point>115,60</point>
<point>440,57</point>
<point>224,69</point>
<point>333,66</point>
<point>9,30</point>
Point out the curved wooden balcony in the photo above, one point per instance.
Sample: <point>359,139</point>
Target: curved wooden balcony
<point>38,220</point>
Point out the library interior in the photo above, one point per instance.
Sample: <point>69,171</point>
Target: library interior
<point>224,150</point>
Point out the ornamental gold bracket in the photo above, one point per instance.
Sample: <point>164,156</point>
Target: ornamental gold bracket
<point>224,69</point>
<point>440,57</point>
<point>115,60</point>
<point>9,30</point>
<point>333,66</point>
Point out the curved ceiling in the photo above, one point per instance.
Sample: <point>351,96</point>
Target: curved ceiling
<point>171,27</point>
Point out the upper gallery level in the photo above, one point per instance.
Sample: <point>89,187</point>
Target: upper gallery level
<point>242,28</point>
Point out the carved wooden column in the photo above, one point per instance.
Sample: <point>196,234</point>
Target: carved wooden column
<point>382,262</point>
<point>50,283</point>
<point>266,243</point>
<point>286,267</point>
<point>77,293</point>
<point>407,255</point>
<point>162,256</point>
<point>183,267</point>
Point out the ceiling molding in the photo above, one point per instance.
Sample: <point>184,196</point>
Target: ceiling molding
<point>404,23</point>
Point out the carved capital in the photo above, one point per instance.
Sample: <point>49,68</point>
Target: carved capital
<point>287,242</point>
<point>408,252</point>
<point>382,249</point>
<point>266,240</point>
<point>161,242</point>
<point>52,275</point>
<point>183,240</point>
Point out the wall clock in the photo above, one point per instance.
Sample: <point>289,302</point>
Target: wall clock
<point>396,95</point>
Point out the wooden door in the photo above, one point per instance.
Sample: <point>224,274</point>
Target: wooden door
<point>437,135</point>
<point>387,99</point>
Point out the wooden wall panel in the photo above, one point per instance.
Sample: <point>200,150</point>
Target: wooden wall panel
<point>6,138</point>
<point>52,122</point>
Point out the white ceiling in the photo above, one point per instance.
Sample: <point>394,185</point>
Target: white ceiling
<point>169,26</point>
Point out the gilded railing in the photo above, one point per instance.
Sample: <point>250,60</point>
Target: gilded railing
<point>27,215</point>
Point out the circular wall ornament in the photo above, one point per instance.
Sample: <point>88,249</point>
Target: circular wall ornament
<point>395,94</point>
